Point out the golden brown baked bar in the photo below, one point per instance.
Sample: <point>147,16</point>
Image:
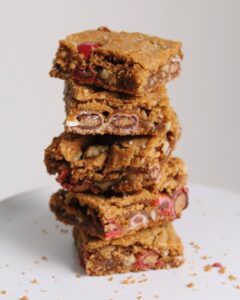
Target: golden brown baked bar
<point>115,216</point>
<point>132,63</point>
<point>155,248</point>
<point>93,111</point>
<point>107,163</point>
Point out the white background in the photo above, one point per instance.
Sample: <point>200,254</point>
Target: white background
<point>206,96</point>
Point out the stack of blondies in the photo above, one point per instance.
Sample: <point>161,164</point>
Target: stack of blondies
<point>121,186</point>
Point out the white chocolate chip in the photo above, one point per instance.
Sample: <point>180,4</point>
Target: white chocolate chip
<point>71,123</point>
<point>93,151</point>
<point>129,260</point>
<point>176,59</point>
<point>168,126</point>
<point>153,215</point>
<point>165,252</point>
<point>165,147</point>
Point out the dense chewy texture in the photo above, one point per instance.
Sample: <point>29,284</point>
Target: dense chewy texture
<point>154,248</point>
<point>94,111</point>
<point>132,63</point>
<point>107,163</point>
<point>116,216</point>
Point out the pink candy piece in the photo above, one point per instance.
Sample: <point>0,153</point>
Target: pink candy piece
<point>147,260</point>
<point>86,49</point>
<point>114,230</point>
<point>138,220</point>
<point>160,264</point>
<point>165,206</point>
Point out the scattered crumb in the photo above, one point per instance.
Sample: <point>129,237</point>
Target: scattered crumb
<point>139,297</point>
<point>44,231</point>
<point>78,275</point>
<point>116,291</point>
<point>110,278</point>
<point>43,291</point>
<point>156,296</point>
<point>222,271</point>
<point>193,274</point>
<point>34,281</point>
<point>64,230</point>
<point>7,266</point>
<point>3,292</point>
<point>36,262</point>
<point>195,246</point>
<point>207,268</point>
<point>217,265</point>
<point>223,283</point>
<point>44,258</point>
<point>23,273</point>
<point>190,285</point>
<point>24,298</point>
<point>57,226</point>
<point>237,287</point>
<point>232,277</point>
<point>128,280</point>
<point>142,280</point>
<point>204,257</point>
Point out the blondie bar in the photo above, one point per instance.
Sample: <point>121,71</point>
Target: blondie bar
<point>94,111</point>
<point>107,163</point>
<point>154,248</point>
<point>132,63</point>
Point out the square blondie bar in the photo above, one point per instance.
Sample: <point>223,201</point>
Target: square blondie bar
<point>132,63</point>
<point>94,111</point>
<point>155,248</point>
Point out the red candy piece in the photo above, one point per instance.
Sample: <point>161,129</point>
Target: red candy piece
<point>138,220</point>
<point>160,264</point>
<point>147,260</point>
<point>217,265</point>
<point>86,49</point>
<point>85,75</point>
<point>115,230</point>
<point>64,177</point>
<point>165,206</point>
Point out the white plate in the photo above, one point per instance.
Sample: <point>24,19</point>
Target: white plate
<point>28,232</point>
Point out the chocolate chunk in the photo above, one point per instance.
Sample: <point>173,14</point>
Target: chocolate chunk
<point>181,202</point>
<point>124,121</point>
<point>89,120</point>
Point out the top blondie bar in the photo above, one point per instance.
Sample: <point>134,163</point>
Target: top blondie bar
<point>133,63</point>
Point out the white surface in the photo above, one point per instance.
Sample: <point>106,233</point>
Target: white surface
<point>28,231</point>
<point>206,96</point>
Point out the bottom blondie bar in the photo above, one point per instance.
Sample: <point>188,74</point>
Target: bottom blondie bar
<point>154,248</point>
